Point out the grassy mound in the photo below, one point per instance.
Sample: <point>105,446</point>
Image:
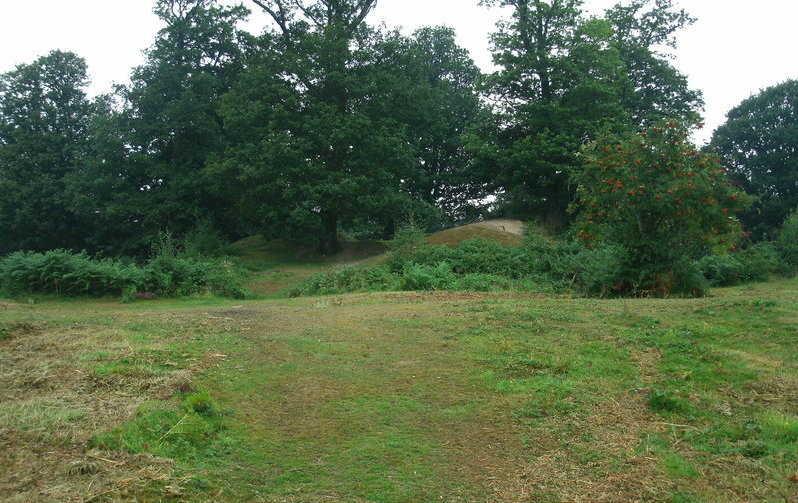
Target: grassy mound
<point>504,231</point>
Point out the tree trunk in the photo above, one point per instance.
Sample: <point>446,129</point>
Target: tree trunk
<point>556,209</point>
<point>328,244</point>
<point>389,230</point>
<point>555,215</point>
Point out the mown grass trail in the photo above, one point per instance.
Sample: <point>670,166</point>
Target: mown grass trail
<point>403,398</point>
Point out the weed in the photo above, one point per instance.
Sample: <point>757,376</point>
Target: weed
<point>159,428</point>
<point>665,401</point>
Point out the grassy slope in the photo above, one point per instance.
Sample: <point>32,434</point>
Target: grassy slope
<point>408,398</point>
<point>281,263</point>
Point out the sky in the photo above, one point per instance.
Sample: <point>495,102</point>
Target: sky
<point>735,49</point>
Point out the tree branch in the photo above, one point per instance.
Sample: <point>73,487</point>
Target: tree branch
<point>365,7</point>
<point>279,16</point>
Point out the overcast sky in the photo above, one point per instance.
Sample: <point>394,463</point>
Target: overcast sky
<point>736,48</point>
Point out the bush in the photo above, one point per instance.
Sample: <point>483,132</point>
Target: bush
<point>206,241</point>
<point>476,256</point>
<point>661,201</point>
<point>610,270</point>
<point>61,272</point>
<point>787,242</point>
<point>755,263</point>
<point>425,277</point>
<point>346,279</point>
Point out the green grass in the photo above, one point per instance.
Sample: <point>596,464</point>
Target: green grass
<point>407,397</point>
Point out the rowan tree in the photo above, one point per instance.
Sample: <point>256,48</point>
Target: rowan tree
<point>661,201</point>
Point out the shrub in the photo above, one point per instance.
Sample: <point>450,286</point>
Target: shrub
<point>755,263</point>
<point>346,279</point>
<point>476,256</point>
<point>720,270</point>
<point>787,242</point>
<point>206,241</point>
<point>662,201</point>
<point>425,277</point>
<point>61,272</point>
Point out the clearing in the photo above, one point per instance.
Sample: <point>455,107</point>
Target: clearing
<point>402,397</point>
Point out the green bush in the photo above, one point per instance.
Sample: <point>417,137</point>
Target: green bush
<point>567,266</point>
<point>661,201</point>
<point>346,279</point>
<point>426,277</point>
<point>787,242</point>
<point>756,263</point>
<point>61,272</point>
<point>476,256</point>
<point>206,241</point>
<point>720,270</point>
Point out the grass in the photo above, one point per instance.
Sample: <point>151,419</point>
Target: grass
<point>403,397</point>
<point>278,264</point>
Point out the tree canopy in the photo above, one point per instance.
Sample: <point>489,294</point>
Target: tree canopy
<point>324,124</point>
<point>565,78</point>
<point>44,121</point>
<point>760,142</point>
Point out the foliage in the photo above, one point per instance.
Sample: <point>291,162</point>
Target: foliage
<point>152,139</point>
<point>44,117</point>
<point>61,272</point>
<point>758,262</point>
<point>321,144</point>
<point>661,201</point>
<point>346,279</point>
<point>641,30</point>
<point>436,98</point>
<point>407,239</point>
<point>205,240</point>
<point>424,277</point>
<point>564,78</point>
<point>760,142</point>
<point>787,242</point>
<point>344,126</point>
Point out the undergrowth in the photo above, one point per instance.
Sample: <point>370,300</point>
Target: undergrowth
<point>567,266</point>
<point>65,273</point>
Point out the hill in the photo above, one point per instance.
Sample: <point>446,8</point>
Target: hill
<point>279,263</point>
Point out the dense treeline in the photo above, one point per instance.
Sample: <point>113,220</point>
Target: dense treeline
<point>324,123</point>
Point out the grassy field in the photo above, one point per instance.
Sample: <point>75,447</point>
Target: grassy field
<point>403,398</point>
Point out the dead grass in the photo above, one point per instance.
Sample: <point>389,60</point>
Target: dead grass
<point>52,403</point>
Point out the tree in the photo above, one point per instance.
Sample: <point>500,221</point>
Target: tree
<point>558,85</point>
<point>565,79</point>
<point>760,141</point>
<point>304,135</point>
<point>657,91</point>
<point>660,201</point>
<point>430,88</point>
<point>44,118</point>
<point>154,137</point>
